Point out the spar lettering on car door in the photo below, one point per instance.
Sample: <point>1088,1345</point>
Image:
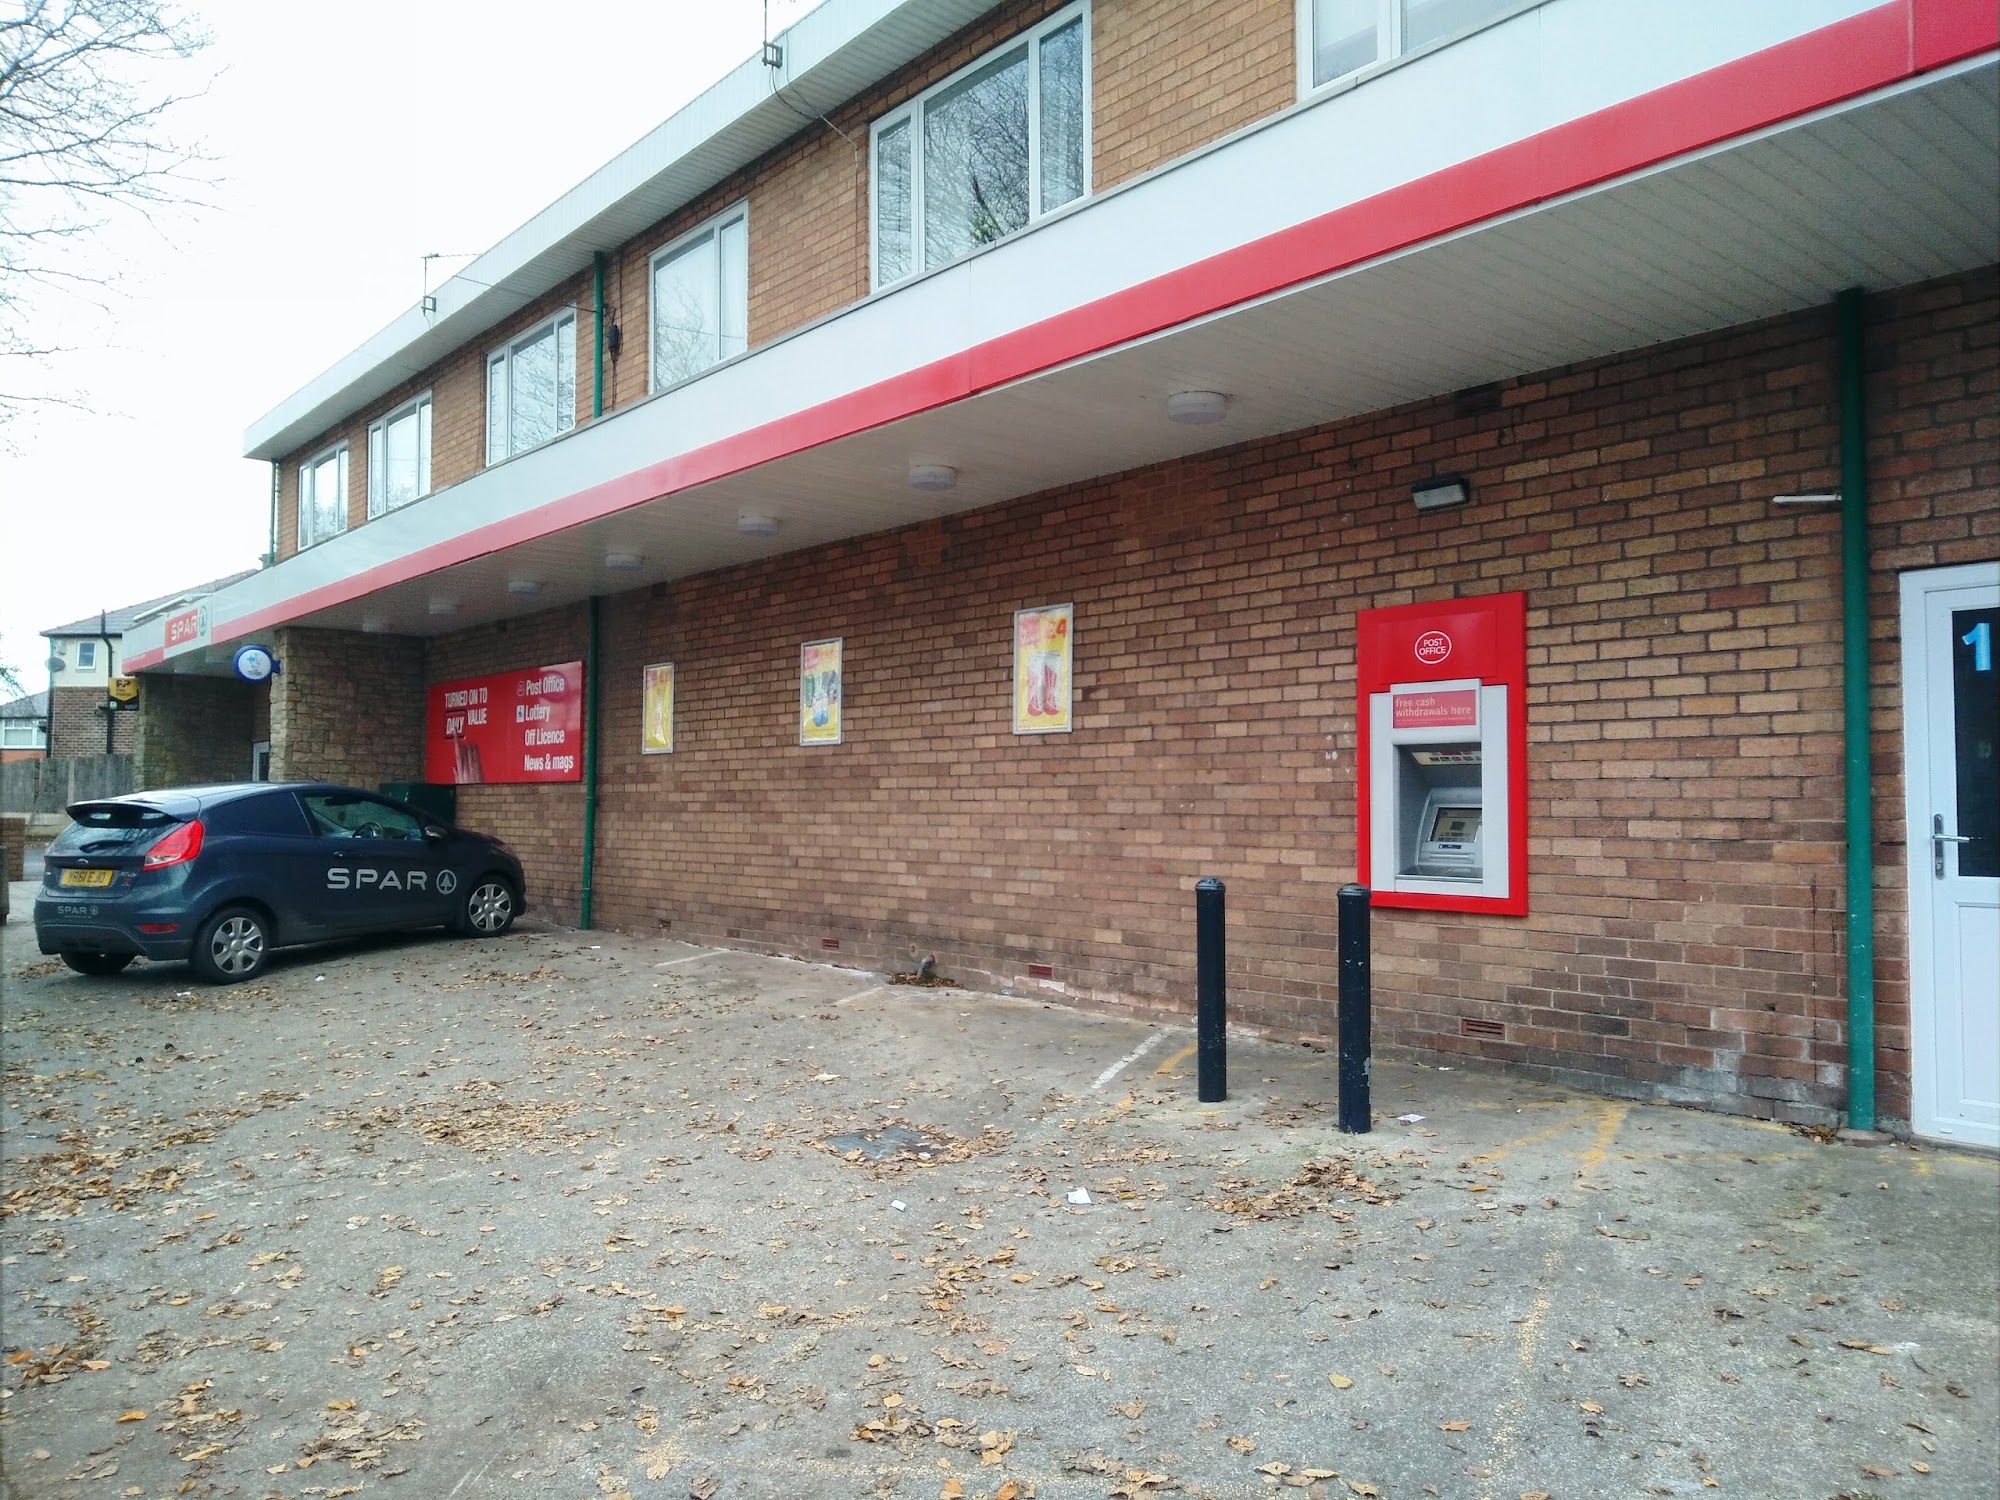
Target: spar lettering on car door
<point>380,873</point>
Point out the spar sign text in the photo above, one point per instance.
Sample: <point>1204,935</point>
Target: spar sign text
<point>525,725</point>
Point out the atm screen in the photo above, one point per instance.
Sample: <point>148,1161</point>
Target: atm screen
<point>1454,825</point>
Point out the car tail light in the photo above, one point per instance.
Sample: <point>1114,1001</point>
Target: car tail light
<point>177,848</point>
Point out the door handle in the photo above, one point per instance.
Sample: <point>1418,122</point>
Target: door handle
<point>1939,838</point>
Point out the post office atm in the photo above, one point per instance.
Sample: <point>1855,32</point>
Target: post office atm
<point>1443,740</point>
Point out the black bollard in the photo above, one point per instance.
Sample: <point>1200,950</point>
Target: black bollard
<point>1355,1002</point>
<point>1211,994</point>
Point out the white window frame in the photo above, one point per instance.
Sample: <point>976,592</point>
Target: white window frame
<point>736,213</point>
<point>22,734</point>
<point>307,537</point>
<point>1389,24</point>
<point>420,407</point>
<point>503,357</point>
<point>911,112</point>
<point>86,656</point>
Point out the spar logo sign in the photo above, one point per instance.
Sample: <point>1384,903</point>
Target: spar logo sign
<point>1432,647</point>
<point>188,628</point>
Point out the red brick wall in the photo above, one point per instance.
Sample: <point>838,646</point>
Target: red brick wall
<point>1168,77</point>
<point>76,724</point>
<point>1686,939</point>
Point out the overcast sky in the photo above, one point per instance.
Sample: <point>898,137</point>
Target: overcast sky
<point>349,141</point>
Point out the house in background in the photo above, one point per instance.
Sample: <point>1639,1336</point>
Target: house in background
<point>24,727</point>
<point>84,657</point>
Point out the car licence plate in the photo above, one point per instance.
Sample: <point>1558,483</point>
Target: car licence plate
<point>87,877</point>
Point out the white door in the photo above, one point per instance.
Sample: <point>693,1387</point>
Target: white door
<point>1951,720</point>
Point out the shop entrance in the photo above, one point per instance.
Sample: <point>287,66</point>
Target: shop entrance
<point>1951,721</point>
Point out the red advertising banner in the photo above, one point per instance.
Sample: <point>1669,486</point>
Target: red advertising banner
<point>525,725</point>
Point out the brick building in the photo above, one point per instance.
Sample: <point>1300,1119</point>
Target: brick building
<point>86,655</point>
<point>1221,341</point>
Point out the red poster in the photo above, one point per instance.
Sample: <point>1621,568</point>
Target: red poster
<point>1447,708</point>
<point>513,726</point>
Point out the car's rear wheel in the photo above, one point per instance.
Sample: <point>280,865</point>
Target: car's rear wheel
<point>231,946</point>
<point>96,963</point>
<point>489,908</point>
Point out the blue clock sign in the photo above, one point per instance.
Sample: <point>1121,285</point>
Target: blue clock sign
<point>255,663</point>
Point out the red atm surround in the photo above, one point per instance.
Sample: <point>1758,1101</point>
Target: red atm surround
<point>1448,640</point>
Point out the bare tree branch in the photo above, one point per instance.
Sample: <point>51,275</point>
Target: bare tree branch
<point>83,133</point>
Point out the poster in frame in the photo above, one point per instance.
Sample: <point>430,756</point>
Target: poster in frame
<point>1043,641</point>
<point>819,692</point>
<point>656,697</point>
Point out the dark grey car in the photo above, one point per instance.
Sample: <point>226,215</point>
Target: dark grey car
<point>221,875</point>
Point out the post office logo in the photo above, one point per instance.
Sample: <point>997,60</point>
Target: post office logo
<point>1432,647</point>
<point>447,882</point>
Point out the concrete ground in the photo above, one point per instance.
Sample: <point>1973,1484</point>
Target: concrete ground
<point>571,1215</point>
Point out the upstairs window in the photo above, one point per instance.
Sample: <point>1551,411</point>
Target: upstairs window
<point>701,299</point>
<point>531,388</point>
<point>323,496</point>
<point>86,654</point>
<point>1345,36</point>
<point>399,457</point>
<point>994,146</point>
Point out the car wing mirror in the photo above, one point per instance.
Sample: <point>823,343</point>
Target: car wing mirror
<point>434,834</point>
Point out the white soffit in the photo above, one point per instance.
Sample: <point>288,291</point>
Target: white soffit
<point>839,49</point>
<point>1765,226</point>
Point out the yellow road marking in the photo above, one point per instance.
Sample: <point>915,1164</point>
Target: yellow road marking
<point>1498,1152</point>
<point>1176,1060</point>
<point>1506,1417</point>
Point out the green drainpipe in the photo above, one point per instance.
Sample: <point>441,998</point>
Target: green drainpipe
<point>1854,666</point>
<point>597,307</point>
<point>585,903</point>
<point>590,700</point>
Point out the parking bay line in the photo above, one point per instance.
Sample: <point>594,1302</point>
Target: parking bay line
<point>1152,1041</point>
<point>692,958</point>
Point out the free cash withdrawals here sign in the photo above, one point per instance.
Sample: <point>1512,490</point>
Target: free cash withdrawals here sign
<point>525,725</point>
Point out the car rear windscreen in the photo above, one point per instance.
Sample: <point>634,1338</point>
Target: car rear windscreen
<point>111,828</point>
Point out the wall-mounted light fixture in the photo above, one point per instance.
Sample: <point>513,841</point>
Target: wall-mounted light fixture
<point>1197,408</point>
<point>443,609</point>
<point>524,588</point>
<point>752,524</point>
<point>624,562</point>
<point>1440,493</point>
<point>933,477</point>
<point>374,624</point>
<point>1805,499</point>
